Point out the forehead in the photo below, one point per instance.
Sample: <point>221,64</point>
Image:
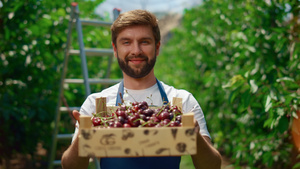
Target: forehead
<point>137,31</point>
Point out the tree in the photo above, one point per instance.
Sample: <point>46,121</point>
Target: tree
<point>33,36</point>
<point>241,61</point>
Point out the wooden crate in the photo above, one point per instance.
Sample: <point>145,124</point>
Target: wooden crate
<point>137,142</point>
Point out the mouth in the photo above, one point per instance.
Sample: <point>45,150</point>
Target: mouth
<point>136,60</point>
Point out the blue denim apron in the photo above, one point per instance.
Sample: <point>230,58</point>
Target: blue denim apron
<point>141,162</point>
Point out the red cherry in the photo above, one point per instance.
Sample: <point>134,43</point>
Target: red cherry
<point>96,121</point>
<point>172,124</point>
<point>148,112</point>
<point>178,118</point>
<point>126,125</point>
<point>111,123</point>
<point>164,115</point>
<point>118,124</point>
<point>120,113</point>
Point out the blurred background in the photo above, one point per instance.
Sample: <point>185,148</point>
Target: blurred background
<point>240,59</point>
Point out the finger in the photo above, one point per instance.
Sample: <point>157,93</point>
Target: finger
<point>76,115</point>
<point>197,127</point>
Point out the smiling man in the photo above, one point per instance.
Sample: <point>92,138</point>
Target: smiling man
<point>136,44</point>
<point>136,51</point>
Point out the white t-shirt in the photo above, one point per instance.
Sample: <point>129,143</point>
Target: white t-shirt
<point>152,96</point>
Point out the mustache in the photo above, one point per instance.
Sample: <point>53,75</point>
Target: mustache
<point>144,57</point>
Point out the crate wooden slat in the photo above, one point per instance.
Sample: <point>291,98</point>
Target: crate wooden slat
<point>137,142</point>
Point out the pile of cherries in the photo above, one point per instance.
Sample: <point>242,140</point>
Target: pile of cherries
<point>139,114</point>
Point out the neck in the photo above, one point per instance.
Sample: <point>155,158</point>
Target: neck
<point>140,83</point>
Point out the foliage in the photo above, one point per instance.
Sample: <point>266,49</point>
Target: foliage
<point>240,59</point>
<point>33,37</point>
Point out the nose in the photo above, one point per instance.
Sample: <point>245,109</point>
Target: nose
<point>136,49</point>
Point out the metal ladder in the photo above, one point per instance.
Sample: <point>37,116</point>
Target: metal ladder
<point>75,19</point>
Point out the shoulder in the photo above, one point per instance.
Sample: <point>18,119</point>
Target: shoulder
<point>171,91</point>
<point>189,102</point>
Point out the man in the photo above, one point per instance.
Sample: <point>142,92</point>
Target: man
<point>136,44</point>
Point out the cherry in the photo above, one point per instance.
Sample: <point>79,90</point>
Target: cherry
<point>164,115</point>
<point>111,123</point>
<point>118,124</point>
<point>171,116</point>
<point>96,121</point>
<point>154,119</point>
<point>167,107</point>
<point>178,118</point>
<point>148,118</point>
<point>135,108</point>
<point>123,107</point>
<point>148,112</point>
<point>143,105</point>
<point>158,125</point>
<point>121,113</point>
<point>140,111</point>
<point>143,117</point>
<point>126,125</point>
<point>133,121</point>
<point>177,123</point>
<point>150,124</point>
<point>165,122</point>
<point>139,114</point>
<point>121,119</point>
<point>172,124</point>
<point>134,103</point>
<point>176,112</point>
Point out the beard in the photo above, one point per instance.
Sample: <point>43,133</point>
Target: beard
<point>140,71</point>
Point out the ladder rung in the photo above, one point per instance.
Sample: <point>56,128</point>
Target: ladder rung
<point>64,136</point>
<point>95,23</point>
<point>56,162</point>
<point>93,81</point>
<point>93,52</point>
<point>65,109</point>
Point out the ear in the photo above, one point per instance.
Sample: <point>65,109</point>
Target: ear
<point>115,50</point>
<point>157,48</point>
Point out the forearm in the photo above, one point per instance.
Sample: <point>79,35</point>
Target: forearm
<point>207,156</point>
<point>71,160</point>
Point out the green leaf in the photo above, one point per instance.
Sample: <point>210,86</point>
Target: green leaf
<point>268,122</point>
<point>285,79</point>
<point>296,166</point>
<point>254,87</point>
<point>268,104</point>
<point>283,124</point>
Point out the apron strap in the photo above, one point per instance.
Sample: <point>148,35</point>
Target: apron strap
<point>120,93</point>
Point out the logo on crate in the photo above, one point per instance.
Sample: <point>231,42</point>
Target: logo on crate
<point>174,133</point>
<point>181,147</point>
<point>108,139</point>
<point>86,134</point>
<point>127,134</point>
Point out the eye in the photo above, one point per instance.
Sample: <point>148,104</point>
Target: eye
<point>125,42</point>
<point>145,42</point>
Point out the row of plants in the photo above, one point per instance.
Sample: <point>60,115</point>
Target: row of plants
<point>241,61</point>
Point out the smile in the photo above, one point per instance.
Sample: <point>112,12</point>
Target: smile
<point>136,61</point>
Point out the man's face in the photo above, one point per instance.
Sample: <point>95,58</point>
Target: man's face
<point>136,51</point>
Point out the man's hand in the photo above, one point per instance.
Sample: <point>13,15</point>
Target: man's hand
<point>70,158</point>
<point>207,156</point>
<point>197,127</point>
<point>76,115</point>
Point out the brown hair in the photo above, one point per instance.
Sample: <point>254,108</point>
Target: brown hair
<point>132,18</point>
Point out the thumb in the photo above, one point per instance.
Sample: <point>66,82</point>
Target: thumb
<point>197,127</point>
<point>76,115</point>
